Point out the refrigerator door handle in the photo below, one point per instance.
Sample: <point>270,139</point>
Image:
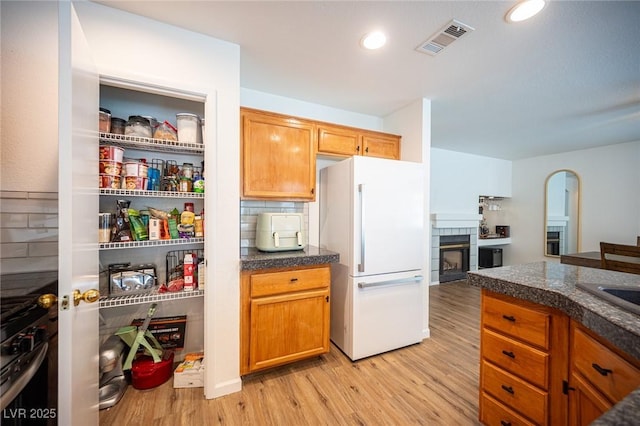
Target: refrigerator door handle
<point>416,278</point>
<point>362,240</point>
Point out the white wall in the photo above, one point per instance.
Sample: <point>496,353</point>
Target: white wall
<point>457,179</point>
<point>610,202</point>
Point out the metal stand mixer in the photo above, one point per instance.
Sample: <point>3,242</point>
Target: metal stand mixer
<point>113,382</point>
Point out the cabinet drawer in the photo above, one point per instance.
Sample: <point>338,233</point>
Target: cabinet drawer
<point>609,372</point>
<point>289,281</point>
<point>514,392</point>
<point>494,413</point>
<point>524,361</point>
<point>518,319</point>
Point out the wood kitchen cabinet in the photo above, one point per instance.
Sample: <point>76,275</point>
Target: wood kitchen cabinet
<point>600,375</point>
<point>284,316</point>
<point>523,363</point>
<point>278,156</point>
<point>348,141</point>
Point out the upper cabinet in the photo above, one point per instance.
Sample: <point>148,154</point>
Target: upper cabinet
<point>347,141</point>
<point>278,156</point>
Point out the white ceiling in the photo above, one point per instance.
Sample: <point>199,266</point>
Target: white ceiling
<point>567,79</point>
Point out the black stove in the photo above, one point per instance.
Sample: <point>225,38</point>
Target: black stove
<point>25,328</point>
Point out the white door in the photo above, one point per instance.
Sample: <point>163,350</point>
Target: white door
<point>77,224</point>
<point>388,234</point>
<point>387,313</point>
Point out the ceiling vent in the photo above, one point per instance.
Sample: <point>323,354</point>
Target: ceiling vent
<point>443,38</point>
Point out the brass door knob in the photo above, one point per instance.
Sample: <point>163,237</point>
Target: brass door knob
<point>47,300</point>
<point>88,296</point>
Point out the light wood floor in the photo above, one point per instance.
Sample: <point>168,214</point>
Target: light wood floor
<point>431,383</point>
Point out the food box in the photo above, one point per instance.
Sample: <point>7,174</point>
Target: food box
<point>169,331</point>
<point>190,372</point>
<point>109,167</point>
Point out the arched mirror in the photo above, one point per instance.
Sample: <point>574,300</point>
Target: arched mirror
<point>562,213</point>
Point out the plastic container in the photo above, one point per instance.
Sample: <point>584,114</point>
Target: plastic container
<point>166,131</point>
<point>104,227</point>
<point>105,120</point>
<point>117,125</point>
<point>110,152</point>
<point>189,128</point>
<point>138,126</point>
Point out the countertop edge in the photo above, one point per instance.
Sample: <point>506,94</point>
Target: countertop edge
<point>288,259</point>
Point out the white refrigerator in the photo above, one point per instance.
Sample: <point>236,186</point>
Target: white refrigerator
<point>371,213</point>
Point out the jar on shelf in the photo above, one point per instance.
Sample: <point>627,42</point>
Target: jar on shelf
<point>117,125</point>
<point>105,120</point>
<point>185,185</point>
<point>187,170</point>
<point>138,126</point>
<point>189,129</point>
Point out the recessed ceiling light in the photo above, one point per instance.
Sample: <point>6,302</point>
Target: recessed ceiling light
<point>524,10</point>
<point>373,40</point>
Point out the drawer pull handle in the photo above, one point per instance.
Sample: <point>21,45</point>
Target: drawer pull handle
<point>509,318</point>
<point>508,389</point>
<point>603,371</point>
<point>503,423</point>
<point>293,280</point>
<point>509,354</point>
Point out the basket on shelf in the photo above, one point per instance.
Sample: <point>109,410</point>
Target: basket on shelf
<point>175,262</point>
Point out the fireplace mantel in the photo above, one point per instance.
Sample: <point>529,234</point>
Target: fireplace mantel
<point>455,220</point>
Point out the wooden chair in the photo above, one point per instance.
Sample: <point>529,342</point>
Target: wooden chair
<point>619,257</point>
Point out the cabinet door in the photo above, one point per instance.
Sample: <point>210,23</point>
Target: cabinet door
<point>278,157</point>
<point>289,327</point>
<point>586,404</point>
<point>334,140</point>
<point>383,146</point>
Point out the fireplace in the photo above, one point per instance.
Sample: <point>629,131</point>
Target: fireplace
<point>454,257</point>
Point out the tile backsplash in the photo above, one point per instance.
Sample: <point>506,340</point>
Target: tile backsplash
<point>249,211</point>
<point>28,231</point>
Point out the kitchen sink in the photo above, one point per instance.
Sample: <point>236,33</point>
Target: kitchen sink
<point>624,297</point>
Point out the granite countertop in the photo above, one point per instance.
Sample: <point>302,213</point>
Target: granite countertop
<point>554,285</point>
<point>255,259</point>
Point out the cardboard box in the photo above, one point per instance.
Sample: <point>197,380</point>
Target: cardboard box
<point>190,372</point>
<point>170,331</point>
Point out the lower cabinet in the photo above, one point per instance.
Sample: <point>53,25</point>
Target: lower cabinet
<point>284,316</point>
<point>523,362</point>
<point>538,367</point>
<point>600,375</point>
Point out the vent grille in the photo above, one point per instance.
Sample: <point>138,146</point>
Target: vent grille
<point>444,37</point>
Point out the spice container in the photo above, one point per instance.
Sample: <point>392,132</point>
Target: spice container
<point>189,128</point>
<point>185,185</point>
<point>138,126</point>
<point>117,125</point>
<point>105,120</point>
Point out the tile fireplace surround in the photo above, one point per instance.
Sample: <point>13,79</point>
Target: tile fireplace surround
<point>453,224</point>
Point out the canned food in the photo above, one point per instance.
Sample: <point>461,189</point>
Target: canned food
<point>110,167</point>
<point>109,181</point>
<point>110,152</point>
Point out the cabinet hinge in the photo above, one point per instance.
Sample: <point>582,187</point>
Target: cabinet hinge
<point>313,191</point>
<point>566,388</point>
<point>327,299</point>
